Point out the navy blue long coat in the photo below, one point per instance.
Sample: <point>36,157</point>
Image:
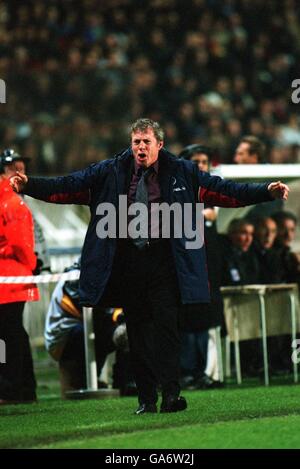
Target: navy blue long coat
<point>105,181</point>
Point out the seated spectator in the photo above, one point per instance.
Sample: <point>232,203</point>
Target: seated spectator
<point>289,269</point>
<point>64,339</point>
<point>270,270</point>
<point>286,233</point>
<point>240,267</point>
<point>263,245</point>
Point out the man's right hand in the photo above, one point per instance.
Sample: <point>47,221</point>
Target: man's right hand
<point>18,182</point>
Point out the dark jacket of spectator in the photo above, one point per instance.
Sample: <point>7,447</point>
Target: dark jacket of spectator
<point>239,268</point>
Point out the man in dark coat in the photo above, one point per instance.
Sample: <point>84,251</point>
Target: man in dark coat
<point>148,276</point>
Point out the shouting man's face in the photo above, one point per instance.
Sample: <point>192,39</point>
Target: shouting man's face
<point>145,147</point>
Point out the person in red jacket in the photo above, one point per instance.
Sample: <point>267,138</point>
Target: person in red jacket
<point>17,258</point>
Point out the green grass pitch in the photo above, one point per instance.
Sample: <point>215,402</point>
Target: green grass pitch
<point>250,416</point>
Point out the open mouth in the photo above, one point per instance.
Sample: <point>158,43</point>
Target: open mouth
<point>142,156</point>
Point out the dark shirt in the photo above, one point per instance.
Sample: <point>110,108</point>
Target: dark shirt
<point>239,268</point>
<point>269,264</point>
<point>289,265</point>
<point>152,184</point>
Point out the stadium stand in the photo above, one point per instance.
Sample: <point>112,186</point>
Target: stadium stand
<point>209,70</point>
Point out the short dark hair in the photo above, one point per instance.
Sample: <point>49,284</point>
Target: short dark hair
<point>256,146</point>
<point>261,220</point>
<point>143,124</point>
<point>280,217</point>
<point>236,224</point>
<point>188,152</point>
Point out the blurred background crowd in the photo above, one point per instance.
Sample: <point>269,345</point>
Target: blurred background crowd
<point>78,72</point>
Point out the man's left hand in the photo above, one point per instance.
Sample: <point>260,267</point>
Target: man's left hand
<point>278,190</point>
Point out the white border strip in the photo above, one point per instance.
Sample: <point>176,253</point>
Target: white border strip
<point>45,278</point>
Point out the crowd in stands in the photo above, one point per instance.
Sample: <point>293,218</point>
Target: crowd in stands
<point>209,70</point>
<point>260,252</point>
<point>254,251</point>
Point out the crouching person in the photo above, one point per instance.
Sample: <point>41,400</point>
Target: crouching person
<point>64,336</point>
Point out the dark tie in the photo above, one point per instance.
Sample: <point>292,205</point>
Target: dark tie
<point>141,196</point>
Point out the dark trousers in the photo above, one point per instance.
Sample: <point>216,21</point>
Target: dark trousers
<point>151,306</point>
<point>71,363</point>
<point>194,353</point>
<point>17,381</point>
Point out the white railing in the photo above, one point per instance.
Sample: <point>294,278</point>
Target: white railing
<point>260,311</point>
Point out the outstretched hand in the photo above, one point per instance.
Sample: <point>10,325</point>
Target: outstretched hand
<point>18,182</point>
<point>278,190</point>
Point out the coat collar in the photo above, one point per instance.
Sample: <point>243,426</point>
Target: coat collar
<point>125,167</point>
<point>167,171</point>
